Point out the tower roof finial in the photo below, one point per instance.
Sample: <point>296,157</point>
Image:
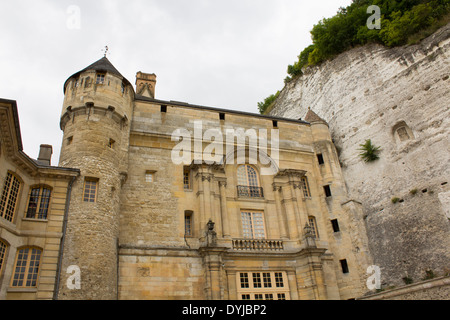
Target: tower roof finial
<point>105,50</point>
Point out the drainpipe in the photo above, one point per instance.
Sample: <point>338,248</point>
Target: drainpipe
<point>61,245</point>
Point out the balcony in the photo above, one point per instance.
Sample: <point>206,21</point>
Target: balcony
<point>257,244</point>
<point>250,192</point>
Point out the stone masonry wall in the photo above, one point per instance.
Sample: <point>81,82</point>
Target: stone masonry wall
<point>368,93</point>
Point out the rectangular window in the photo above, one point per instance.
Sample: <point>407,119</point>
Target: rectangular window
<point>267,280</point>
<point>256,280</point>
<point>38,203</point>
<point>305,187</point>
<point>313,225</point>
<point>335,225</point>
<point>253,225</point>
<point>344,266</point>
<point>244,280</point>
<point>259,286</point>
<point>27,268</point>
<point>188,223</point>
<point>320,158</point>
<point>111,143</point>
<point>222,116</point>
<point>163,109</point>
<point>327,191</point>
<point>187,178</point>
<point>279,280</point>
<point>90,190</point>
<point>9,197</point>
<point>100,78</point>
<point>149,176</point>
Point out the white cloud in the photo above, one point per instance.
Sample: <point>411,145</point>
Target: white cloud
<point>228,54</point>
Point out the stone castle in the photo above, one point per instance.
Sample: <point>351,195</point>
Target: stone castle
<point>119,218</point>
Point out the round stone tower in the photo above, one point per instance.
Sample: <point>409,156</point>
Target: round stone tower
<point>98,103</point>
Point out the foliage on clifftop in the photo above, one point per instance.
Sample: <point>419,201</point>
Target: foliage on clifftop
<point>402,22</point>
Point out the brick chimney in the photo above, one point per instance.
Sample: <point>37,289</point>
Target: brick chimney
<point>145,84</point>
<point>45,154</point>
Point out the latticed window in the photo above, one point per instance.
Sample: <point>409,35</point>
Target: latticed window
<point>313,225</point>
<point>38,203</point>
<point>305,187</point>
<point>186,178</point>
<point>188,223</point>
<point>253,225</point>
<point>90,190</point>
<point>100,78</point>
<point>248,182</point>
<point>27,268</point>
<point>9,197</point>
<point>262,286</point>
<point>2,254</point>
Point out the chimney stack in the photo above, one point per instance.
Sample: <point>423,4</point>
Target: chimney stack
<point>45,154</point>
<point>145,84</point>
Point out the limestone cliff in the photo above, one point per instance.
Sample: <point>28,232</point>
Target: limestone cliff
<point>400,99</point>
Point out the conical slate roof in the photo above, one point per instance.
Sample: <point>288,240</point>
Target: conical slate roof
<point>102,65</point>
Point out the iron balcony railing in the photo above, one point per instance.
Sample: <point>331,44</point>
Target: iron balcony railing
<point>250,192</point>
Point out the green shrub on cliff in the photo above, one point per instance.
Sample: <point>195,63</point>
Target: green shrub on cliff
<point>402,22</point>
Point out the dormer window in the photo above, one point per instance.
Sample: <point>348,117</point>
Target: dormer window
<point>100,78</point>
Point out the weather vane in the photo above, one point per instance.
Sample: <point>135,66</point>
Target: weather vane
<point>105,50</point>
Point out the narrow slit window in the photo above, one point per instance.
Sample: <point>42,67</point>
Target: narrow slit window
<point>187,178</point>
<point>327,191</point>
<point>320,158</point>
<point>335,225</point>
<point>344,266</point>
<point>188,223</point>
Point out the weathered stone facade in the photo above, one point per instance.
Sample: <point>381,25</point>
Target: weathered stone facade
<point>23,229</point>
<point>398,98</point>
<point>159,229</point>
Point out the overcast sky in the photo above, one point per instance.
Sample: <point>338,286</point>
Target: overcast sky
<point>226,54</point>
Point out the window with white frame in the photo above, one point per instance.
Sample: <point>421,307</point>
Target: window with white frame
<point>253,224</point>
<point>262,285</point>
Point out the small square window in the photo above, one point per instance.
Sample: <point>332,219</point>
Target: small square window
<point>100,78</point>
<point>275,123</point>
<point>163,108</point>
<point>222,116</point>
<point>149,176</point>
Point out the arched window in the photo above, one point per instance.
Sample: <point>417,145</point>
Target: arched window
<point>26,268</point>
<point>248,182</point>
<point>402,132</point>
<point>38,202</point>
<point>8,201</point>
<point>3,247</point>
